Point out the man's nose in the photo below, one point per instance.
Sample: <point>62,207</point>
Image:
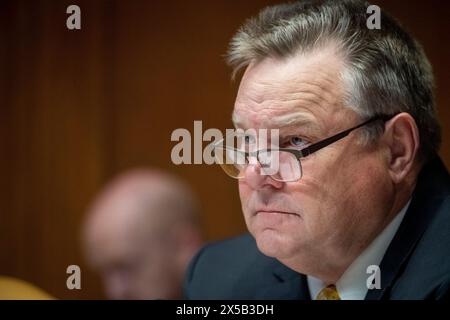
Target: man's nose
<point>256,178</point>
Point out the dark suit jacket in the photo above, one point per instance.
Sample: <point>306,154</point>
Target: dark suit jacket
<point>416,264</point>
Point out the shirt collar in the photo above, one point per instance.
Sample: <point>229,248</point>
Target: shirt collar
<point>353,283</point>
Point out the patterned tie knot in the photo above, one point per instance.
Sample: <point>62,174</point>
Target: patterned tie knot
<point>328,293</point>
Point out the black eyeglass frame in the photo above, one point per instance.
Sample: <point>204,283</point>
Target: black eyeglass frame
<point>322,143</point>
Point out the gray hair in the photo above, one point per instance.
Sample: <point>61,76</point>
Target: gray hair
<point>387,71</point>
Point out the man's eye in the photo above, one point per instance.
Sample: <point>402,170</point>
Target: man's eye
<point>249,139</point>
<point>297,141</point>
<point>245,142</point>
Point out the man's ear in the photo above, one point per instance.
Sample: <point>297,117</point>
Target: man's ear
<point>402,138</point>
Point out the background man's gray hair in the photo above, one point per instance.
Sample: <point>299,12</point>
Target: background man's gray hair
<point>386,71</point>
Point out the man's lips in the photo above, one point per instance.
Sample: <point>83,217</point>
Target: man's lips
<point>274,217</point>
<point>275,211</point>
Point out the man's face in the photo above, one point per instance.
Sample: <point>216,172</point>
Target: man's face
<point>336,203</point>
<point>133,271</point>
<point>133,259</point>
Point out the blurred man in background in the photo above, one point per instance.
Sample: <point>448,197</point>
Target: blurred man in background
<point>140,233</point>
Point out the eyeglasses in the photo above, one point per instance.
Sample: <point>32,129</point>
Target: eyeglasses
<point>281,164</point>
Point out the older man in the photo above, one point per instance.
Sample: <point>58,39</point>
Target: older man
<point>140,234</point>
<point>359,206</point>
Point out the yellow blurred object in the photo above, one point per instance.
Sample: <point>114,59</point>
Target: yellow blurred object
<point>16,289</point>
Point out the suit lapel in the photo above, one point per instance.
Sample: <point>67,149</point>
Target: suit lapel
<point>425,202</point>
<point>286,284</point>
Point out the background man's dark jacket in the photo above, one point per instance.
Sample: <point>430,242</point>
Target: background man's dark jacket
<point>415,266</point>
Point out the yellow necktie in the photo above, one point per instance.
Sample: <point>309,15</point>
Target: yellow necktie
<point>328,293</point>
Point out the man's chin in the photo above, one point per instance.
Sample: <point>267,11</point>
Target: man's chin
<point>272,244</point>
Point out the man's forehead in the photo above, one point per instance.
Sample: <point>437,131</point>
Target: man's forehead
<point>322,62</point>
<point>296,90</point>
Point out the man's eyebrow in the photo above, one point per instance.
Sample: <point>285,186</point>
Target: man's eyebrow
<point>294,119</point>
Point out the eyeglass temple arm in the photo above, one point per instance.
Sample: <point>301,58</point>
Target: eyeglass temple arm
<point>322,144</point>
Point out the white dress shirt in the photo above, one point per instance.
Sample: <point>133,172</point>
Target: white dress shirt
<point>353,283</point>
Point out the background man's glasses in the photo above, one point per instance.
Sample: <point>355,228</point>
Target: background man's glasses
<point>281,164</point>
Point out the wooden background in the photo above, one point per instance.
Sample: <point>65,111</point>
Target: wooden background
<point>78,107</point>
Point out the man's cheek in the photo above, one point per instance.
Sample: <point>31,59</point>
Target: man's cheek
<point>244,191</point>
<point>244,194</point>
